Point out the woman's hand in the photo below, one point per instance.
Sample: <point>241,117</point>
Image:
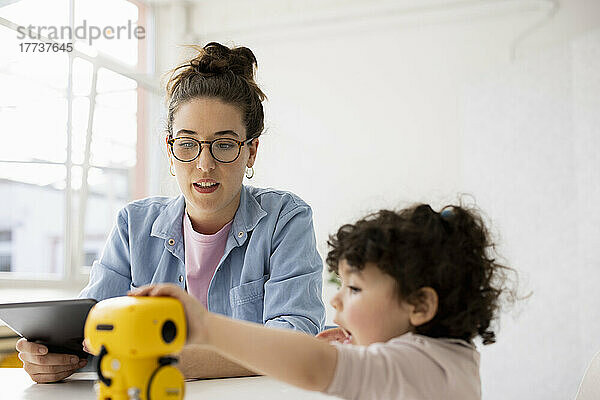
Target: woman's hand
<point>195,312</point>
<point>44,367</point>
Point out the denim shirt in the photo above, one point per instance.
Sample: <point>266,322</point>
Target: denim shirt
<point>270,272</point>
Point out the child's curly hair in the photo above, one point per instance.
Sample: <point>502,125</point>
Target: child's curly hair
<point>449,251</point>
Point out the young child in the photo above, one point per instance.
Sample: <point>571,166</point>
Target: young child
<point>417,287</point>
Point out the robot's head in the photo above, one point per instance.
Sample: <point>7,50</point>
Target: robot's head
<point>136,327</point>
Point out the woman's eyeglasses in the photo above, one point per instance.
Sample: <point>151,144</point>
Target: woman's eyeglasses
<point>224,150</point>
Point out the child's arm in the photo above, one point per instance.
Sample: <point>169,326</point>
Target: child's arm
<point>293,357</point>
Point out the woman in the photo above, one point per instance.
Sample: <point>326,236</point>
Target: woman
<point>244,252</point>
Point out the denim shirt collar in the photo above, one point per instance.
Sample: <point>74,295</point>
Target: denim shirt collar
<point>169,223</point>
<point>247,216</point>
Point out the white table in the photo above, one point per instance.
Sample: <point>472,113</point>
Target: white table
<point>15,384</point>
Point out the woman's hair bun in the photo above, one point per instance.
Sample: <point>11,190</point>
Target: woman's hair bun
<point>215,59</point>
<point>220,72</point>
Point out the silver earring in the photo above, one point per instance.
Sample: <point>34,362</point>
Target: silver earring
<point>249,172</point>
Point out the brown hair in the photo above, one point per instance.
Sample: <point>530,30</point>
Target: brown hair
<point>223,73</point>
<point>450,252</point>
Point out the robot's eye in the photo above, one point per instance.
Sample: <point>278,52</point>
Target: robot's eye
<point>169,331</point>
<point>104,327</point>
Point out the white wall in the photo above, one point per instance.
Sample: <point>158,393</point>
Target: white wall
<point>532,134</point>
<point>381,104</point>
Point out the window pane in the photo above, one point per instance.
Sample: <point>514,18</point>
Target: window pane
<point>117,22</point>
<point>37,13</point>
<point>32,102</point>
<point>110,183</point>
<point>113,147</point>
<point>114,138</point>
<point>45,175</point>
<point>47,71</point>
<point>115,123</point>
<point>108,192</point>
<point>33,212</point>
<point>109,81</point>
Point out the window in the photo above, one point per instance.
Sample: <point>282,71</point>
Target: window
<point>70,127</point>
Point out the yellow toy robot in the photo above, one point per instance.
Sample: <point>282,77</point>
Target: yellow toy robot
<point>133,337</point>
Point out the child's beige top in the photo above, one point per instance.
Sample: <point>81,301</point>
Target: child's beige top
<point>407,367</point>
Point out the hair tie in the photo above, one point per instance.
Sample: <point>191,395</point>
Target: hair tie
<point>446,213</point>
<point>195,64</point>
<point>444,216</point>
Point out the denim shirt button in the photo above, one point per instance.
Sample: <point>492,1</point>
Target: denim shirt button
<point>171,242</point>
<point>180,278</point>
<point>240,234</point>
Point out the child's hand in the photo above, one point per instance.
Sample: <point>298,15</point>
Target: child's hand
<point>86,348</point>
<point>334,335</point>
<point>194,311</point>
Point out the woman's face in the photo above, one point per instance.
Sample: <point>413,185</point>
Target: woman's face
<point>211,188</point>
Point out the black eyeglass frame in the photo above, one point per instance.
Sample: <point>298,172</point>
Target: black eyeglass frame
<point>171,140</point>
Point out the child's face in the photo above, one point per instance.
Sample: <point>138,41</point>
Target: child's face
<point>367,305</point>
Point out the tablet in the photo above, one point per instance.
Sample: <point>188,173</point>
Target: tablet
<point>55,324</point>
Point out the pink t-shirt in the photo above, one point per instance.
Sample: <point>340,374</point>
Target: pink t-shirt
<point>202,255</point>
<point>408,367</point>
